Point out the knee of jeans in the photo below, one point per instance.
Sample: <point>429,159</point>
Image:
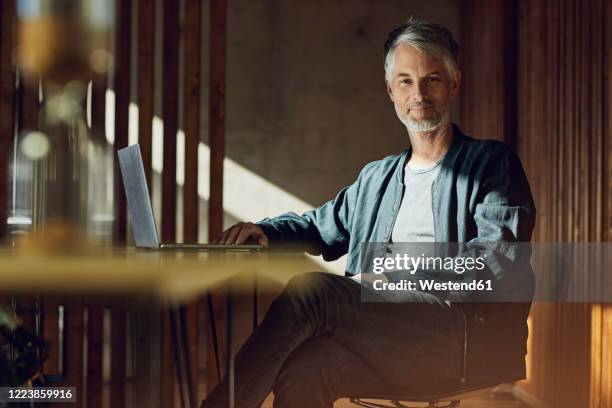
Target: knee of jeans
<point>302,290</point>
<point>315,284</point>
<point>306,299</point>
<point>290,300</point>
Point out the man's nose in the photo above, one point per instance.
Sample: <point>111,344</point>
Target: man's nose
<point>419,92</point>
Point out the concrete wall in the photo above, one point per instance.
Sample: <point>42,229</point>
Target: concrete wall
<point>307,105</point>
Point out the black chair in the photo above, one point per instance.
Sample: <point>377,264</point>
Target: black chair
<point>444,399</point>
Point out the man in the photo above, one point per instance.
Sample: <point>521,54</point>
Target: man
<point>319,341</point>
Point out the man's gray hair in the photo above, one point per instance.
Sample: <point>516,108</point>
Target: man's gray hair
<point>431,38</point>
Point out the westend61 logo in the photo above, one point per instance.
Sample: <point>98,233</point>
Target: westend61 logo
<point>410,263</point>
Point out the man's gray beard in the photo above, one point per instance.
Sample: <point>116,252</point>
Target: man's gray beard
<point>425,125</point>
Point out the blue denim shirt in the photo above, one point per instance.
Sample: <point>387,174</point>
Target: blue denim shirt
<point>480,195</point>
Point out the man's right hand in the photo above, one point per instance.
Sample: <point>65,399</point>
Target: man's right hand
<point>242,232</point>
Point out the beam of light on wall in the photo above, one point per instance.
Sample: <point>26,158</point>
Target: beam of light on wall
<point>88,104</point>
<point>132,124</point>
<point>247,196</point>
<point>157,161</point>
<point>180,158</point>
<point>250,197</point>
<point>110,116</point>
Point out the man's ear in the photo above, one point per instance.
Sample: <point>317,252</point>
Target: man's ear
<point>389,90</point>
<point>455,83</point>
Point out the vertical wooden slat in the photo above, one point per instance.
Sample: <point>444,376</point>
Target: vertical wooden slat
<point>193,333</point>
<point>217,85</point>
<point>601,393</point>
<point>121,88</point>
<point>606,152</point>
<point>170,46</point>
<point>599,93</point>
<point>509,11</point>
<point>73,346</point>
<point>118,356</point>
<point>122,100</point>
<point>489,33</point>
<point>170,113</point>
<point>95,315</point>
<point>191,120</point>
<point>146,44</point>
<point>98,107</point>
<point>168,389</point>
<point>218,11</point>
<point>7,91</point>
<point>29,106</point>
<point>146,340</point>
<point>95,312</point>
<point>50,332</point>
<point>557,85</point>
<point>597,356</point>
<point>606,378</point>
<point>146,89</point>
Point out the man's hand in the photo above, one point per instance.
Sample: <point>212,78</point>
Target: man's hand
<point>242,232</point>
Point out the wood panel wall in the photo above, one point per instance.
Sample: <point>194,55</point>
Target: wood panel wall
<point>192,83</point>
<point>487,99</point>
<point>121,88</point>
<point>543,68</point>
<point>564,141</point>
<point>95,312</point>
<point>216,141</point>
<point>218,21</point>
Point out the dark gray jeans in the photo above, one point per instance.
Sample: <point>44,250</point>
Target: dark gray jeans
<point>320,342</point>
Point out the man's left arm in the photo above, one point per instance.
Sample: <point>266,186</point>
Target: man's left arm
<point>504,215</point>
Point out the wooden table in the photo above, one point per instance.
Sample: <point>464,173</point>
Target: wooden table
<point>168,278</point>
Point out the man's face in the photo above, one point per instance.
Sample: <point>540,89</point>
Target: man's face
<point>421,89</point>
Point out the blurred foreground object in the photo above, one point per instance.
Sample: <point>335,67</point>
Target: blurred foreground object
<point>61,179</point>
<point>21,353</point>
<point>61,175</point>
<point>64,40</point>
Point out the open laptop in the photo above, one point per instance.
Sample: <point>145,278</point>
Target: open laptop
<point>139,204</point>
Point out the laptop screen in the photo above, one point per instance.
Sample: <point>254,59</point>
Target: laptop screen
<point>137,193</point>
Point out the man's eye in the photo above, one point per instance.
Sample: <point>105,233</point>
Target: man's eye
<point>433,79</point>
<point>406,81</point>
